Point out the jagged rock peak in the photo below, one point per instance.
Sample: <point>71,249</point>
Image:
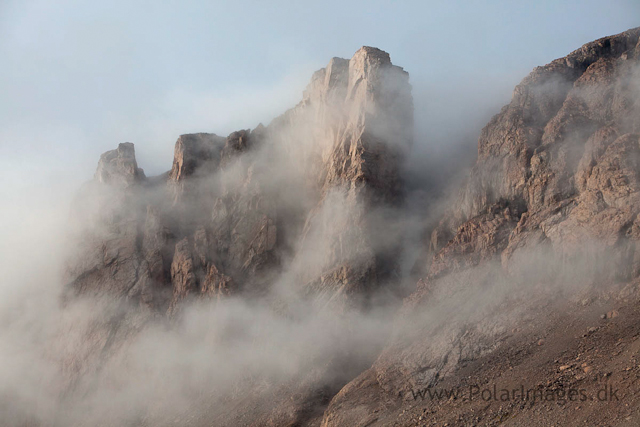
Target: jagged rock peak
<point>366,63</point>
<point>226,210</point>
<point>373,55</point>
<point>192,150</point>
<point>119,166</point>
<point>342,77</point>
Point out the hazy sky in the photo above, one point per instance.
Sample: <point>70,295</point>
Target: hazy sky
<point>78,77</point>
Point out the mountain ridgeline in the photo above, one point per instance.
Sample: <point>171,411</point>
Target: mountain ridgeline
<point>233,211</point>
<point>306,219</point>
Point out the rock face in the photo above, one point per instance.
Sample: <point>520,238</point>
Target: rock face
<point>363,123</point>
<point>550,208</point>
<point>561,156</point>
<point>109,257</point>
<point>221,220</point>
<point>554,192</point>
<point>119,167</point>
<point>298,204</point>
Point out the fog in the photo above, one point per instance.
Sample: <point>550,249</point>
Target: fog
<point>105,361</point>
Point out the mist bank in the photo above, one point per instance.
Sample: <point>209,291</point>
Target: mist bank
<point>269,277</point>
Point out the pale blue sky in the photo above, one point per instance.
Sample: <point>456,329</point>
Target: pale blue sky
<point>78,77</point>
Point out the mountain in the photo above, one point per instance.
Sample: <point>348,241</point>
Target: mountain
<point>305,219</point>
<point>231,209</point>
<point>549,211</point>
<point>291,215</point>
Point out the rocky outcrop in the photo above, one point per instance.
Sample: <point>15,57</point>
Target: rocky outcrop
<point>196,152</point>
<point>364,123</point>
<point>551,201</point>
<point>298,205</point>
<point>119,166</point>
<point>551,208</point>
<point>108,257</point>
<point>220,221</point>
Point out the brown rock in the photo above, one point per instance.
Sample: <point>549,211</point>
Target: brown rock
<point>311,188</point>
<point>561,157</point>
<point>119,166</point>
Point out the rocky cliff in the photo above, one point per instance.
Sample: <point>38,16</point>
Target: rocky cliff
<point>550,211</point>
<point>220,221</point>
<point>290,214</point>
<point>302,215</point>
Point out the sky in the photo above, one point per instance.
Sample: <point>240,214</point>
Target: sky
<point>79,77</point>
